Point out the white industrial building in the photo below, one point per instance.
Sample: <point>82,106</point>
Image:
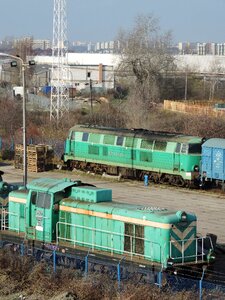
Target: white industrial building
<point>100,68</point>
<point>84,67</point>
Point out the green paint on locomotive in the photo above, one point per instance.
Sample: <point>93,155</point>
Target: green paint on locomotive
<point>36,211</point>
<point>121,228</point>
<point>16,207</point>
<point>65,211</point>
<point>136,149</point>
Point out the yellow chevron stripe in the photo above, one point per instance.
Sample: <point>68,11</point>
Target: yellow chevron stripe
<point>178,244</point>
<point>183,234</point>
<point>114,217</point>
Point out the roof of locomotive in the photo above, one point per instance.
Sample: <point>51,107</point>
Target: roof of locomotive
<point>139,133</point>
<point>155,214</point>
<point>51,185</point>
<point>215,143</point>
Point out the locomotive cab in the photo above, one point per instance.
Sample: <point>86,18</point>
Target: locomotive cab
<point>35,211</point>
<point>42,215</point>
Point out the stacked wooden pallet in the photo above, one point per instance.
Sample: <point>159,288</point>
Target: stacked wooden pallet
<point>36,158</point>
<point>40,158</point>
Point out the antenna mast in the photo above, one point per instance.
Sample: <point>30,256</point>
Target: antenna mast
<point>60,69</point>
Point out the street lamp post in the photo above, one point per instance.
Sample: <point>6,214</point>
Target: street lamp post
<point>91,95</point>
<point>23,66</point>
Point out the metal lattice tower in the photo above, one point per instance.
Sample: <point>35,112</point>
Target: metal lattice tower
<point>60,69</point>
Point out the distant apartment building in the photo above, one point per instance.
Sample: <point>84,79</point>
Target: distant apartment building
<point>187,48</point>
<point>41,44</point>
<point>221,49</point>
<point>35,44</point>
<point>211,49</point>
<point>106,47</point>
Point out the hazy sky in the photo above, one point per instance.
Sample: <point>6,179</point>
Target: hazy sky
<point>98,20</point>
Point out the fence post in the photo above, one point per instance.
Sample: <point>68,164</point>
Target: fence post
<point>54,261</point>
<point>86,265</point>
<point>118,275</point>
<point>119,272</point>
<point>22,249</point>
<point>200,281</point>
<point>145,180</point>
<point>159,279</point>
<point>200,289</point>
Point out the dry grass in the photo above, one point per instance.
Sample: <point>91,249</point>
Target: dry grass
<point>22,276</point>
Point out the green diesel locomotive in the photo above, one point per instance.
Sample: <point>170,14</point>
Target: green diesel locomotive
<point>74,215</point>
<point>164,157</point>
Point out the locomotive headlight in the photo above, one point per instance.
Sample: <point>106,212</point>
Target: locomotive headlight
<point>182,216</point>
<point>196,168</point>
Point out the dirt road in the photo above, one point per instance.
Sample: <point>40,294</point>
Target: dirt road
<point>209,207</point>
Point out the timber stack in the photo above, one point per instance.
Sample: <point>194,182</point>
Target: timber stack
<point>40,158</point>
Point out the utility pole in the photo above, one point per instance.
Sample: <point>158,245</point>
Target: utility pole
<point>60,70</point>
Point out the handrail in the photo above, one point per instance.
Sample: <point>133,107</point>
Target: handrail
<point>113,248</point>
<point>199,245</point>
<point>4,217</point>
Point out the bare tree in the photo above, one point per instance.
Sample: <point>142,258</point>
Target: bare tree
<point>23,47</point>
<point>217,69</point>
<point>144,58</point>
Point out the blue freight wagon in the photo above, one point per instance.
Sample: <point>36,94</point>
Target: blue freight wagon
<point>213,161</point>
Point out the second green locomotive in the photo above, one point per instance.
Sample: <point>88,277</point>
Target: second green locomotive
<point>163,156</point>
<point>77,216</point>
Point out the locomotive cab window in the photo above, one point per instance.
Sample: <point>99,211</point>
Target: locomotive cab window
<point>119,141</point>
<point>191,149</point>
<point>33,198</point>
<point>43,200</point>
<point>73,135</point>
<point>85,136</point>
<point>194,148</point>
<point>184,149</point>
<point>177,150</point>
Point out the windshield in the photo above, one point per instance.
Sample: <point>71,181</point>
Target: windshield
<point>194,148</point>
<point>191,149</point>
